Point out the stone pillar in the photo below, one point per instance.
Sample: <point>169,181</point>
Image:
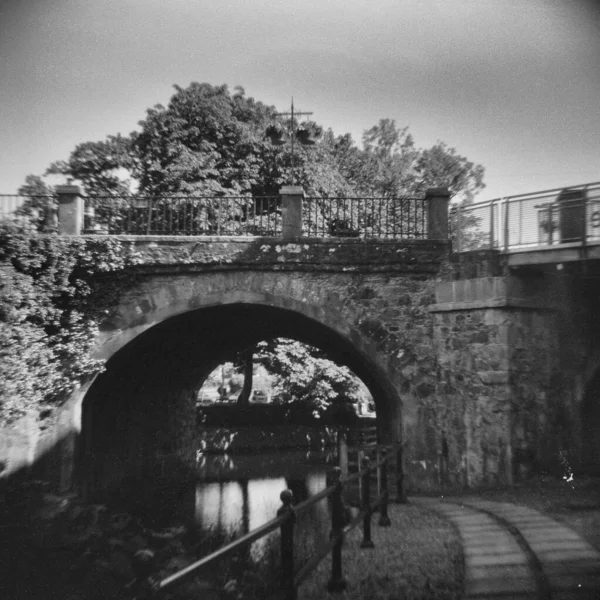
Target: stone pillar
<point>438,200</point>
<point>70,210</point>
<point>291,204</point>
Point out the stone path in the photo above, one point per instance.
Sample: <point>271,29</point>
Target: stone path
<point>517,553</point>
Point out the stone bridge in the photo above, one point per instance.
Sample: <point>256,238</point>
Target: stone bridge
<point>481,372</point>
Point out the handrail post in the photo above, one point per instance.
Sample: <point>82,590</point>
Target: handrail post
<point>367,542</point>
<point>459,229</point>
<point>492,225</point>
<point>337,582</point>
<point>400,473</point>
<point>342,448</point>
<point>506,224</point>
<point>287,545</point>
<point>360,455</point>
<point>384,519</point>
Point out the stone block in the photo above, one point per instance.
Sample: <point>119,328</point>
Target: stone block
<point>494,377</point>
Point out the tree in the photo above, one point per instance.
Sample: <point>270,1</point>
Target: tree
<point>205,142</point>
<point>40,198</point>
<point>305,375</point>
<point>389,156</point>
<point>103,168</point>
<point>209,146</point>
<point>441,166</point>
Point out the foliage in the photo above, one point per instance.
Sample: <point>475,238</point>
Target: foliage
<point>99,166</point>
<point>209,141</point>
<point>304,375</point>
<point>51,302</point>
<point>40,198</point>
<point>205,142</point>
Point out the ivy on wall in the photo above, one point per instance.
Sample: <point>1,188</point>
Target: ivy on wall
<point>54,291</point>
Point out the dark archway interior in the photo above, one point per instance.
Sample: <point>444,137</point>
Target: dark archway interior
<point>143,405</point>
<point>590,427</point>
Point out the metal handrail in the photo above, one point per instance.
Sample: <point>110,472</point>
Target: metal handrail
<point>286,517</point>
<point>524,221</point>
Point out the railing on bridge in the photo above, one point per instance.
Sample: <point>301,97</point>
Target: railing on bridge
<point>290,576</point>
<point>387,218</point>
<point>392,217</point>
<point>540,219</point>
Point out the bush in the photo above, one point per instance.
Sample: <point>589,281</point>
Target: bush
<point>51,302</point>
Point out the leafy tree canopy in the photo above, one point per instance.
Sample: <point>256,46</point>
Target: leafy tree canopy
<point>210,141</point>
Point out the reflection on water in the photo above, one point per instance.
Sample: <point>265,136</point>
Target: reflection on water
<point>238,494</point>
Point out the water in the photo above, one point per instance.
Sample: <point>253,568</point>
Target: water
<point>237,494</point>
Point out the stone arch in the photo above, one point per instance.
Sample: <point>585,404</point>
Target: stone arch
<point>335,315</point>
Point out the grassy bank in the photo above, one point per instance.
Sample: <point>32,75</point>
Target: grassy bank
<point>419,556</point>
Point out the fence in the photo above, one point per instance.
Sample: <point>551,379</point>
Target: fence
<point>13,205</point>
<point>394,217</point>
<point>546,218</point>
<point>387,218</point>
<point>290,577</point>
<point>184,215</point>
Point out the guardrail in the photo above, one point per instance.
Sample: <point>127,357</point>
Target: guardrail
<point>292,578</point>
<point>352,217</point>
<point>547,218</point>
<point>183,215</point>
<point>392,217</point>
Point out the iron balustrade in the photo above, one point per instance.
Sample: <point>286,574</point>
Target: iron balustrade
<point>347,217</point>
<point>292,578</point>
<point>184,215</point>
<point>387,217</point>
<point>568,215</point>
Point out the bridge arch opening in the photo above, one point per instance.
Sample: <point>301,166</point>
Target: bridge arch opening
<point>138,417</point>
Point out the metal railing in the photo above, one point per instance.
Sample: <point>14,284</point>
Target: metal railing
<point>383,218</point>
<point>184,215</point>
<point>291,577</point>
<point>540,219</point>
<point>16,206</point>
<point>390,217</point>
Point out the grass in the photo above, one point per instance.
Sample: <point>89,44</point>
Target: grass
<point>418,557</point>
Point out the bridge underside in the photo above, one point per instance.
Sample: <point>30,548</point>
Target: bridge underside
<point>138,422</point>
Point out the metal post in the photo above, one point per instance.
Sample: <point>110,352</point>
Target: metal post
<point>506,224</point>
<point>342,448</point>
<point>360,454</point>
<point>459,229</point>
<point>367,542</point>
<point>287,545</point>
<point>219,216</point>
<point>492,224</point>
<point>384,519</point>
<point>400,473</point>
<point>337,582</point>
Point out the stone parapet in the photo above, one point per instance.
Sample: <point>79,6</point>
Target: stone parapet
<point>314,254</point>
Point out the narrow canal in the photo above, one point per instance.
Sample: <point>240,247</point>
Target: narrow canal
<point>237,493</point>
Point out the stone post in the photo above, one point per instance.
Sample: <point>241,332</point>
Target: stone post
<point>70,209</point>
<point>291,205</point>
<point>438,200</point>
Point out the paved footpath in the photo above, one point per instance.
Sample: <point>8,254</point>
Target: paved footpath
<point>517,553</point>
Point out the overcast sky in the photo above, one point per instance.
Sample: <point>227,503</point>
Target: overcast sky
<point>511,84</point>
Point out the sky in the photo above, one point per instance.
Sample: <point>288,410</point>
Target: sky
<point>513,85</point>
